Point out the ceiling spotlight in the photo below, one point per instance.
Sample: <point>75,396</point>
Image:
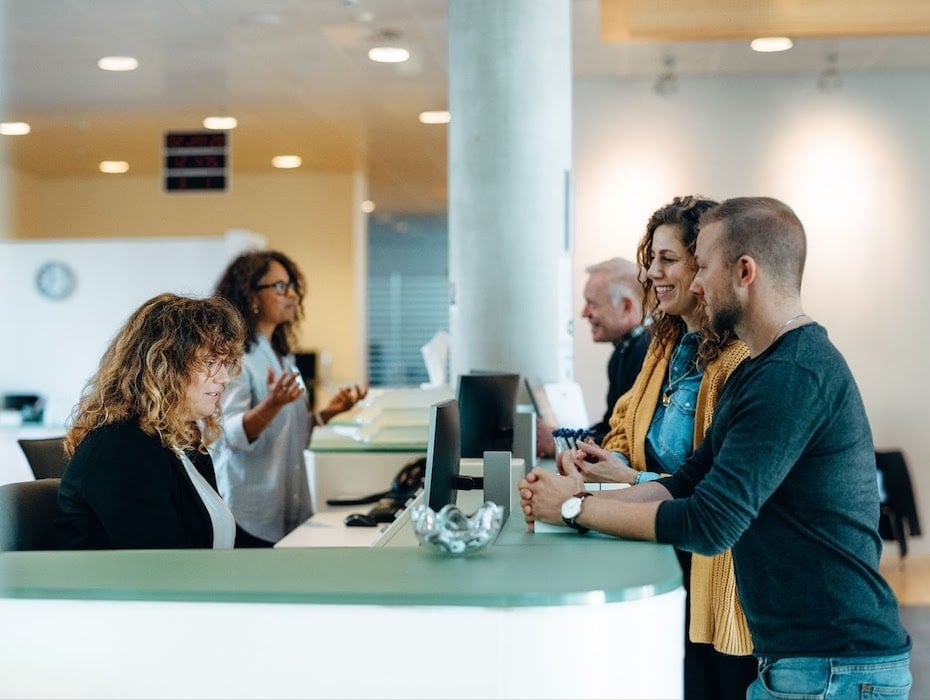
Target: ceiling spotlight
<point>286,161</point>
<point>14,128</point>
<point>830,79</point>
<point>220,123</point>
<point>388,54</point>
<point>386,47</point>
<point>771,44</point>
<point>435,117</point>
<point>667,82</point>
<point>117,63</point>
<point>113,166</point>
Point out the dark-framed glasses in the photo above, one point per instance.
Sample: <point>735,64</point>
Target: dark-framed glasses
<point>279,287</point>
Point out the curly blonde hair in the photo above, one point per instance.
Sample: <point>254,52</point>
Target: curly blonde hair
<point>146,371</point>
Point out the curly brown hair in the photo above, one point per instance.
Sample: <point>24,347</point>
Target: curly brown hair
<point>237,285</point>
<point>684,213</point>
<point>146,371</point>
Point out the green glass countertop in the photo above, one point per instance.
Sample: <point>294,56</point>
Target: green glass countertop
<point>520,569</point>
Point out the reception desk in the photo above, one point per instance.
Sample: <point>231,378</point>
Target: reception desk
<point>541,616</point>
<point>360,451</point>
<point>346,469</point>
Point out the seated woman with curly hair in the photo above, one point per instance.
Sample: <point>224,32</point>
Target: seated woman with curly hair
<point>140,475</point>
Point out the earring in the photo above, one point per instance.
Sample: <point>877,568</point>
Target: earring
<point>255,310</point>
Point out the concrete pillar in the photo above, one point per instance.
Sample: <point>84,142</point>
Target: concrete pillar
<point>510,187</point>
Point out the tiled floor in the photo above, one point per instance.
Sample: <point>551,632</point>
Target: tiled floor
<point>911,583</point>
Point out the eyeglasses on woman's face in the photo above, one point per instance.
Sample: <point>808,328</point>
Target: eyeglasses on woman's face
<point>280,287</point>
<point>212,365</point>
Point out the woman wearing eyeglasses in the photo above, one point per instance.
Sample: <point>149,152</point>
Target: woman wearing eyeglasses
<point>266,415</point>
<point>140,475</point>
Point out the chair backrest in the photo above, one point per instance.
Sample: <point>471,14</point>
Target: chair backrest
<point>897,482</point>
<point>27,511</point>
<point>46,456</point>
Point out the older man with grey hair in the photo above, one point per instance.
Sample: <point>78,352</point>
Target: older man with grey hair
<point>613,306</point>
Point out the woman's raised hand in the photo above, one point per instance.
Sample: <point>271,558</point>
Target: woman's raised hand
<point>284,388</point>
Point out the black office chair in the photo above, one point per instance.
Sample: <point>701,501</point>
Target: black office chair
<point>46,456</point>
<point>27,511</point>
<point>898,516</point>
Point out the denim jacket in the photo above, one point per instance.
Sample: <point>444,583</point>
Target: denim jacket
<point>670,439</point>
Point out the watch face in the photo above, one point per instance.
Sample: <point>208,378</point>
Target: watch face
<point>571,508</point>
<point>55,280</point>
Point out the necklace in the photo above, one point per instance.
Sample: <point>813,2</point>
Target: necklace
<point>673,384</point>
<point>784,326</point>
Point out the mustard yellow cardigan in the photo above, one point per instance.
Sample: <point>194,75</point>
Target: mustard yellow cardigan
<point>716,614</point>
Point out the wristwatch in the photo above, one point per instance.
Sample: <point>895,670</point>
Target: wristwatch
<point>571,509</point>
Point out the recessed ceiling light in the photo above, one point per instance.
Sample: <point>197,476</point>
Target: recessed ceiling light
<point>286,161</point>
<point>436,117</point>
<point>117,63</point>
<point>368,206</point>
<point>14,128</point>
<point>771,44</point>
<point>113,166</point>
<point>388,54</point>
<point>220,123</point>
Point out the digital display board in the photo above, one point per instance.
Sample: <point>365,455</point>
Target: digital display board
<point>196,161</point>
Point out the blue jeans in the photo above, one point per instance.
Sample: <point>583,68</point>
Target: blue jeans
<point>839,678</point>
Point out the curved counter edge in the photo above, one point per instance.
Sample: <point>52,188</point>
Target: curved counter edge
<point>552,570</point>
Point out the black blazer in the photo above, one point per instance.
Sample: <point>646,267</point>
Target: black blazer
<point>123,490</point>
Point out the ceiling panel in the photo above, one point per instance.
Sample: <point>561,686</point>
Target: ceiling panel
<point>296,75</point>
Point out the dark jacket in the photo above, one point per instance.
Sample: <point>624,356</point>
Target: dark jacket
<point>124,490</point>
<point>622,368</point>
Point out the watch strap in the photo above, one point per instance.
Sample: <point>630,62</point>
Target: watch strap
<point>571,522</point>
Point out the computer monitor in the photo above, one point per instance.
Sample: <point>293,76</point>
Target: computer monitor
<point>487,402</point>
<point>443,454</point>
<point>541,404</point>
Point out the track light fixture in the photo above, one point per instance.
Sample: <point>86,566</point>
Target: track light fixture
<point>830,79</point>
<point>667,82</point>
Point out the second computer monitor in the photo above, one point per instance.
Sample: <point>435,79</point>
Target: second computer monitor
<point>486,405</point>
<point>443,453</point>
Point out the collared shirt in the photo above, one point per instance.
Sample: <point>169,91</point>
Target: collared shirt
<point>670,439</point>
<point>264,482</point>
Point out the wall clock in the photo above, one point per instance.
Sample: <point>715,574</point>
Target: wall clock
<point>55,280</point>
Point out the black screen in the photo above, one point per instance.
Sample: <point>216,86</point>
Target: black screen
<point>486,405</point>
<point>443,451</point>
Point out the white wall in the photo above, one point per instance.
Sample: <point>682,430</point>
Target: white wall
<point>58,344</point>
<point>853,165</point>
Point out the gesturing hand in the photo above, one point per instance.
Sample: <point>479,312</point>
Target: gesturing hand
<point>344,399</point>
<point>284,388</point>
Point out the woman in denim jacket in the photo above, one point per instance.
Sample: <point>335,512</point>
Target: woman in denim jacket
<point>657,424</point>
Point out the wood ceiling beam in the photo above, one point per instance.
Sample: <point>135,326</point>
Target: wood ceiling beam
<point>695,20</point>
